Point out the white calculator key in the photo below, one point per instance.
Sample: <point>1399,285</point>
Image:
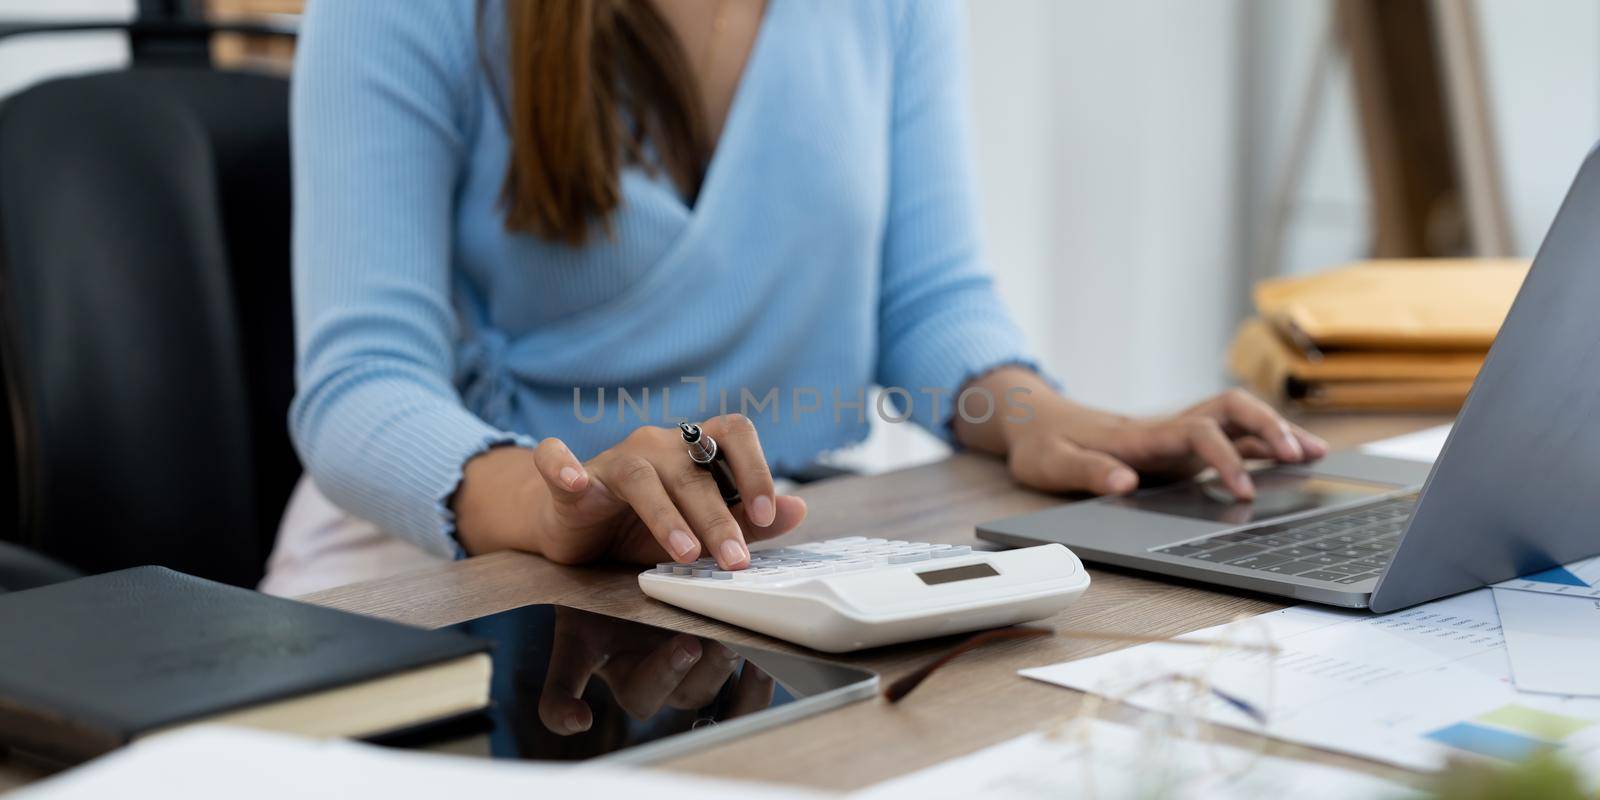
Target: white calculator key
<point>907,558</point>
<point>952,550</point>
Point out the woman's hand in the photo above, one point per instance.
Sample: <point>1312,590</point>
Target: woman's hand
<point>642,501</point>
<point>1066,447</point>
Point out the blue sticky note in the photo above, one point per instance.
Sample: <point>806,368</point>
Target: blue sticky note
<point>1487,741</point>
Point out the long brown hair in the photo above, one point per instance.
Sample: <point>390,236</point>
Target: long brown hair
<point>594,85</point>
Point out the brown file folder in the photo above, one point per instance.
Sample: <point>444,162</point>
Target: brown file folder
<point>1411,304</point>
<point>1391,335</point>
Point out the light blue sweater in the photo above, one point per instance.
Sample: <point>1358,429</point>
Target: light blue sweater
<point>834,245</point>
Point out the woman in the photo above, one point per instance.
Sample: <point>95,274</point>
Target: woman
<point>503,212</point>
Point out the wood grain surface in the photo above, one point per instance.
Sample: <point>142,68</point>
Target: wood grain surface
<point>975,701</point>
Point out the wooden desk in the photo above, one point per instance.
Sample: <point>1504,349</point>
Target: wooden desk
<point>976,701</point>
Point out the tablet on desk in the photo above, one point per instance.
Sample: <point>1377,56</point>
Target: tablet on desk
<point>637,707</point>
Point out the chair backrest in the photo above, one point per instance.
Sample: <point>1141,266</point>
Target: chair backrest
<point>145,318</point>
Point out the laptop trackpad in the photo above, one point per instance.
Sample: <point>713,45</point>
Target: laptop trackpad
<point>1279,492</point>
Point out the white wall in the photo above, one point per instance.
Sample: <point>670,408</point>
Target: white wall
<point>1543,61</point>
<point>1106,145</point>
<point>1127,151</point>
<point>1327,215</point>
<point>25,60</point>
<point>1543,73</point>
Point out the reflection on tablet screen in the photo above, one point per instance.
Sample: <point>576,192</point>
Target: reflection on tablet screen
<point>570,684</point>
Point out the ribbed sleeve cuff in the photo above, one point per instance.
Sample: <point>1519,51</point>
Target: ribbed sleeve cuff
<point>403,475</point>
<point>444,518</point>
<point>946,352</point>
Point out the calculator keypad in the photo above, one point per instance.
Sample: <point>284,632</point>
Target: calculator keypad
<point>816,559</point>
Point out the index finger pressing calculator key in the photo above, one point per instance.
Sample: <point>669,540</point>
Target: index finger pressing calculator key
<point>847,594</point>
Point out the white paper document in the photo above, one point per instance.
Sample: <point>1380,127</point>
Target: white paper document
<point>1410,688</point>
<point>1553,641</point>
<point>1423,445</point>
<point>210,762</point>
<point>1117,761</point>
<point>1578,579</point>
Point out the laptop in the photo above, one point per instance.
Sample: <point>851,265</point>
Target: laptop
<point>1515,490</point>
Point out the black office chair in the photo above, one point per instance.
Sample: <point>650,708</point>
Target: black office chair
<point>145,331</point>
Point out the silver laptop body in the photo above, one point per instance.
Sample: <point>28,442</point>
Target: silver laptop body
<point>1516,489</point>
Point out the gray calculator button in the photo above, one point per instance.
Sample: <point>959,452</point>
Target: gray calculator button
<point>702,573</point>
<point>665,569</point>
<point>681,569</point>
<point>721,575</point>
<point>907,558</point>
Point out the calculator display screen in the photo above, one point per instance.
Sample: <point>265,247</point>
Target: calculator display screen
<point>953,574</point>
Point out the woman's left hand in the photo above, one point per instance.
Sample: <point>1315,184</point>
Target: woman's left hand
<point>1065,447</point>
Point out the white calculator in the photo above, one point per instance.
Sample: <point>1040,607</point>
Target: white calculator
<point>856,592</point>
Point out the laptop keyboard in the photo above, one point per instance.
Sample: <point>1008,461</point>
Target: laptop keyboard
<point>1351,547</point>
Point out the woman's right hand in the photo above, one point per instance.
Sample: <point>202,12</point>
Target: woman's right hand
<point>642,501</point>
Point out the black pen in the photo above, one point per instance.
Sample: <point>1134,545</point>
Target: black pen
<point>703,450</point>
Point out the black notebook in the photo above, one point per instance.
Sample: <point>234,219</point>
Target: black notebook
<point>90,664</point>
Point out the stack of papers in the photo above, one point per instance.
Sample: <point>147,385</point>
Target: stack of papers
<point>1423,445</point>
<point>1496,673</point>
<point>1552,628</point>
<point>1553,644</point>
<point>1412,688</point>
<point>1116,761</point>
